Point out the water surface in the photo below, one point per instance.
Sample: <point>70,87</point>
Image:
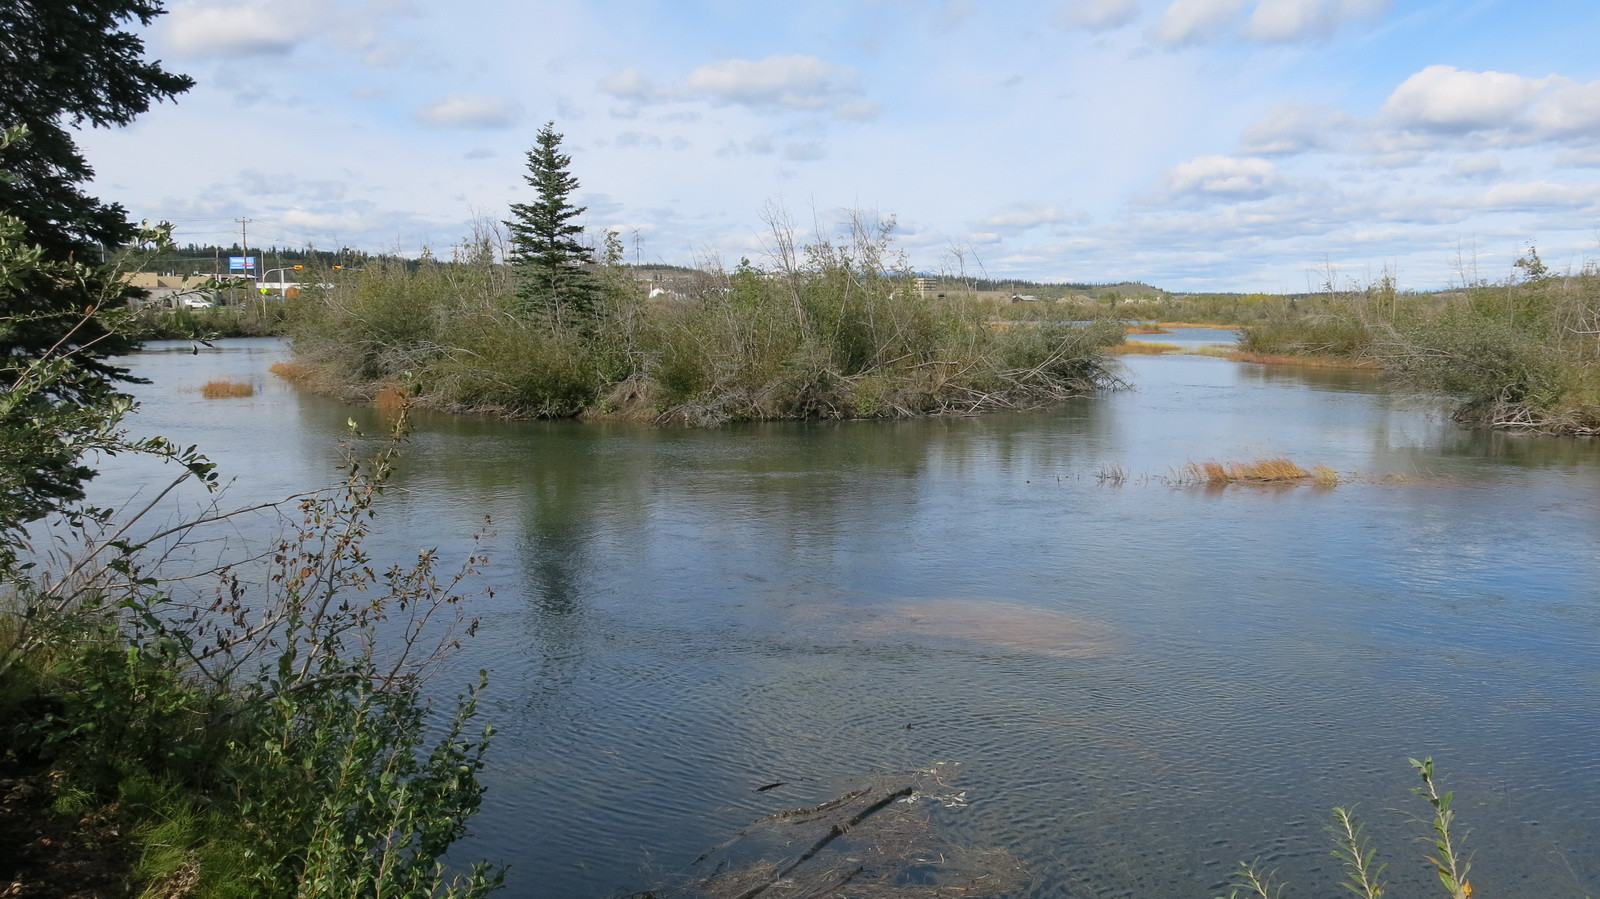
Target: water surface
<point>1143,684</point>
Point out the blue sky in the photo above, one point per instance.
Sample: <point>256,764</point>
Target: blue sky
<point>1195,144</point>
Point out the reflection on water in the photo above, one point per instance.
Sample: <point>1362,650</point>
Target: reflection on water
<point>1145,684</point>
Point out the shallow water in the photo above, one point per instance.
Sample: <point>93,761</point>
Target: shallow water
<point>1143,684</point>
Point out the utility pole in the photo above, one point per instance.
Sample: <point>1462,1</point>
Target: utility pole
<point>244,240</point>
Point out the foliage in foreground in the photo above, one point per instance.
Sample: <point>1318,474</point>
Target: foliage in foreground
<point>1363,873</point>
<point>835,329</point>
<point>266,736</point>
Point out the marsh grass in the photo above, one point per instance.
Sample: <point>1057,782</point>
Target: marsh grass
<point>1362,872</point>
<point>222,388</point>
<point>1271,470</point>
<point>1144,348</point>
<point>293,372</point>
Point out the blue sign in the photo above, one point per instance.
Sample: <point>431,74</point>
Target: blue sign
<point>241,263</point>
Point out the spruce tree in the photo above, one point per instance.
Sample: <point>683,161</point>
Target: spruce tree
<point>63,64</point>
<point>554,279</point>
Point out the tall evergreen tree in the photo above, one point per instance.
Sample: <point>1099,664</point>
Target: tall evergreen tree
<point>63,63</point>
<point>552,265</point>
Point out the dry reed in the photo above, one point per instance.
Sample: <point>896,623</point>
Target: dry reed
<point>1277,470</point>
<point>222,388</point>
<point>1286,358</point>
<point>293,372</point>
<point>390,399</point>
<point>1144,348</point>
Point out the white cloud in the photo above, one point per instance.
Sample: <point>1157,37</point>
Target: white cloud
<point>777,82</point>
<point>1095,15</point>
<point>790,82</point>
<point>1481,165</point>
<point>1295,128</point>
<point>1022,216</point>
<point>1193,21</point>
<point>1587,157</point>
<point>1223,177</point>
<point>628,84</point>
<point>1442,102</point>
<point>1537,195</point>
<point>859,111</point>
<point>1448,99</point>
<point>467,111</point>
<point>1568,109</point>
<point>244,28</point>
<point>1297,20</point>
<point>1187,22</point>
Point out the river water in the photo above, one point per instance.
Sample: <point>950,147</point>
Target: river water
<point>1143,682</point>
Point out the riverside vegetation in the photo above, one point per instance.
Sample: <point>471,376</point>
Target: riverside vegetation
<point>1518,354</point>
<point>257,727</point>
<point>834,329</point>
<point>253,727</point>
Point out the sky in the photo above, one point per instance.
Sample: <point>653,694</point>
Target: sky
<point>1224,145</point>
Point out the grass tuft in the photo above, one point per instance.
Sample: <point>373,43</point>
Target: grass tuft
<point>390,400</point>
<point>222,388</point>
<point>1144,348</point>
<point>1274,470</point>
<point>293,372</point>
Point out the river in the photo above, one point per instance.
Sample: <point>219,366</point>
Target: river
<point>1140,682</point>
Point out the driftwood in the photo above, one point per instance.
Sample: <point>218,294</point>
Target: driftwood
<point>880,839</point>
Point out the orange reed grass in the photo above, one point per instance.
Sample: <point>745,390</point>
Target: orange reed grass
<point>222,389</point>
<point>1276,470</point>
<point>293,372</point>
<point>390,400</point>
<point>1143,348</point>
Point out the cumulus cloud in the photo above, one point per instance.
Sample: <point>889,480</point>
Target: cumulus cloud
<point>1297,20</point>
<point>1481,165</point>
<point>1223,177</point>
<point>1193,21</point>
<point>256,183</point>
<point>1443,102</point>
<point>1295,128</point>
<point>1588,157</point>
<point>1095,15</point>
<point>467,111</point>
<point>243,28</point>
<point>1022,216</point>
<point>628,84</point>
<point>1276,21</point>
<point>858,111</point>
<point>1533,196</point>
<point>1448,99</point>
<point>777,82</point>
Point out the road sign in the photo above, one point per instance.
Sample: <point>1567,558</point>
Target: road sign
<point>241,263</point>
